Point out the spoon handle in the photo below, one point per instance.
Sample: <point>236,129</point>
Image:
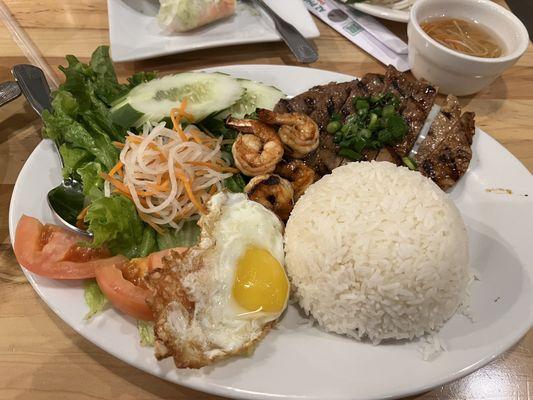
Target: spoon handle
<point>8,91</point>
<point>34,86</point>
<point>301,47</point>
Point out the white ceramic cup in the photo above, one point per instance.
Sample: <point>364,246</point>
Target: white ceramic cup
<point>454,72</point>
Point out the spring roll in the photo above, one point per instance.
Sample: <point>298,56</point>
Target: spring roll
<point>185,15</point>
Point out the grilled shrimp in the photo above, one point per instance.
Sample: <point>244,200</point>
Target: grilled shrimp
<point>258,149</point>
<point>298,132</point>
<point>273,192</point>
<point>298,174</point>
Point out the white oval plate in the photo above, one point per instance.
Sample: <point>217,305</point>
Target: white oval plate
<point>134,33</point>
<point>300,361</point>
<point>382,12</point>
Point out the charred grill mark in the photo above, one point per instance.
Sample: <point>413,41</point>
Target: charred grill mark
<point>330,106</point>
<point>271,180</point>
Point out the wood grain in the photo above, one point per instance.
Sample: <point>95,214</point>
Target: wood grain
<point>42,358</point>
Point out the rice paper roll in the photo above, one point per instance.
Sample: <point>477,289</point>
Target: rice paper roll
<point>186,15</point>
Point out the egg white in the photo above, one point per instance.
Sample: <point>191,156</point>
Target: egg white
<point>234,223</point>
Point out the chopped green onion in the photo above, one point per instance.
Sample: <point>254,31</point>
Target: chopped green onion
<point>336,117</point>
<point>410,163</point>
<point>365,133</point>
<point>352,155</point>
<point>333,126</point>
<point>375,98</point>
<point>361,104</point>
<point>388,111</point>
<point>373,121</point>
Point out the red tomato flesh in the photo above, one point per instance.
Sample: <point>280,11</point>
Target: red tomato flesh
<point>124,286</point>
<point>55,252</point>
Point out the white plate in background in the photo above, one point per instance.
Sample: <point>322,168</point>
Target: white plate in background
<point>383,12</point>
<point>134,33</point>
<point>298,361</point>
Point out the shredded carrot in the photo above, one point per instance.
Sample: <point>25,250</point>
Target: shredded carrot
<point>82,214</point>
<point>163,186</point>
<point>214,167</point>
<point>187,184</point>
<point>116,183</point>
<point>118,145</point>
<point>186,164</point>
<point>129,196</point>
<point>157,228</point>
<point>196,137</point>
<point>181,133</point>
<point>184,113</point>
<point>116,168</point>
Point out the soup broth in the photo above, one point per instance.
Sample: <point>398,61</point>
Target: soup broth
<point>463,36</point>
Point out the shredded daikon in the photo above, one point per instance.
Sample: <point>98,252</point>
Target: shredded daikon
<point>169,174</point>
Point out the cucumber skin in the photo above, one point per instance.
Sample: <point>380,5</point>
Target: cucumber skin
<point>125,115</point>
<point>225,113</point>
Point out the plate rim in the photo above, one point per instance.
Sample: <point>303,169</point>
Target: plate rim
<point>382,12</point>
<point>217,389</point>
<point>219,43</point>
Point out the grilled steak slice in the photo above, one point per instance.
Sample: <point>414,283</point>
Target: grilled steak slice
<point>358,90</point>
<point>320,102</point>
<point>445,154</point>
<point>416,100</point>
<point>324,159</point>
<point>373,83</point>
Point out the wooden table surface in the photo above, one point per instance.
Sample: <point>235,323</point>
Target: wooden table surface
<point>43,358</point>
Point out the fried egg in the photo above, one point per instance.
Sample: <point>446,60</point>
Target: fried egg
<point>223,295</point>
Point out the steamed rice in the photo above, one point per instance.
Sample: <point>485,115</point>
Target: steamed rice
<point>377,251</point>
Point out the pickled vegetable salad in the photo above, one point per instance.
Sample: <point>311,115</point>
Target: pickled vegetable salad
<point>110,134</point>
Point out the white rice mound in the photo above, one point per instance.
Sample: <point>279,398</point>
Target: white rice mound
<point>377,251</point>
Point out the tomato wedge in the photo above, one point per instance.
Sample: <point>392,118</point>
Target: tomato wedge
<point>55,252</point>
<point>124,287</point>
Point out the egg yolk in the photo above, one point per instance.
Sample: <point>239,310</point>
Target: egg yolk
<point>260,282</point>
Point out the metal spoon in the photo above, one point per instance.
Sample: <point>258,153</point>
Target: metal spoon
<point>32,83</point>
<point>302,49</point>
<point>8,91</point>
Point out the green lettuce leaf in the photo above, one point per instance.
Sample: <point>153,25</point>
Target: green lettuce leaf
<point>235,183</point>
<point>93,184</point>
<point>73,158</point>
<point>141,77</point>
<point>146,333</point>
<point>64,103</point>
<point>94,298</point>
<point>70,131</point>
<point>115,222</point>
<point>107,87</point>
<point>187,236</point>
<point>148,242</point>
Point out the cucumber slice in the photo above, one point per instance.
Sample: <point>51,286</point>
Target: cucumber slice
<point>257,95</point>
<point>152,101</point>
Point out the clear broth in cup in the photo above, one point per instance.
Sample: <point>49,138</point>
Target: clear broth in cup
<point>463,36</point>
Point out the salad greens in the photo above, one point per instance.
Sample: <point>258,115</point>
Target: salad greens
<point>114,222</point>
<point>87,122</point>
<point>146,333</point>
<point>94,298</point>
<point>187,236</point>
<point>82,126</point>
